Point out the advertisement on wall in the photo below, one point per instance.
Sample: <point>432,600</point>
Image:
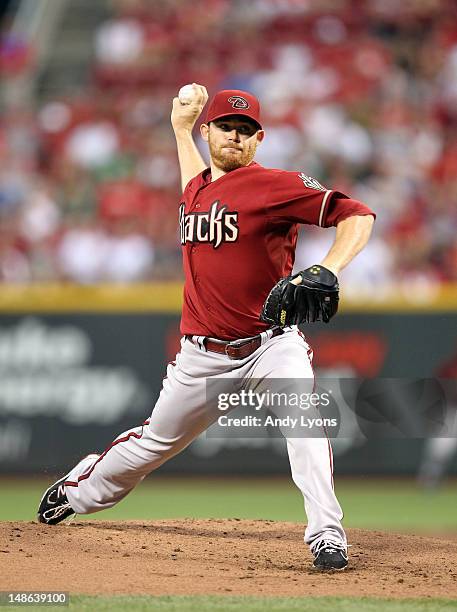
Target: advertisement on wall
<point>70,384</point>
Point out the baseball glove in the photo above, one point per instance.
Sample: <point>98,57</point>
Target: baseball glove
<point>314,299</point>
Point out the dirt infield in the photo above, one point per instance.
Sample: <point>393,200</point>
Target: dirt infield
<point>235,557</point>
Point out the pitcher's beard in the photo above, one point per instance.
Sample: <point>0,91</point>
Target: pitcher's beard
<point>227,163</point>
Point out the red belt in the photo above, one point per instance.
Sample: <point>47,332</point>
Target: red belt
<point>236,349</point>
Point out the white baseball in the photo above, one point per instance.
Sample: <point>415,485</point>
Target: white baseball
<point>186,94</point>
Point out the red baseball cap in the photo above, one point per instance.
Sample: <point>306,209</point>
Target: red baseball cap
<point>234,102</point>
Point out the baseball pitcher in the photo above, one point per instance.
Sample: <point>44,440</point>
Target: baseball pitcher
<point>238,227</point>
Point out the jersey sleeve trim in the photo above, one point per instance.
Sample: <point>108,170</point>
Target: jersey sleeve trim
<point>323,205</point>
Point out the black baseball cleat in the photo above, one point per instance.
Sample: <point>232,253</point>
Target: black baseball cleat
<point>330,556</point>
<point>54,506</point>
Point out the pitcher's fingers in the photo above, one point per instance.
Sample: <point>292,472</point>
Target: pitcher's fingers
<point>205,93</point>
<point>202,93</point>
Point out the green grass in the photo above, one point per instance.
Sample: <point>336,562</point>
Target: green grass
<point>397,505</point>
<point>252,604</point>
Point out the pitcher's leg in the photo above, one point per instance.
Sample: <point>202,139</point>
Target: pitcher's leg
<point>179,416</point>
<point>311,467</point>
<point>123,465</point>
<point>288,358</point>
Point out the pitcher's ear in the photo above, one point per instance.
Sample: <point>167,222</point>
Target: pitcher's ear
<point>260,135</point>
<point>204,131</point>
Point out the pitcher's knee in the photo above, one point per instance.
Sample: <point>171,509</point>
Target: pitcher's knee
<point>158,451</point>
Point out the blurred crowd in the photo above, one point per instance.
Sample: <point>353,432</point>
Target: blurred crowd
<point>361,95</point>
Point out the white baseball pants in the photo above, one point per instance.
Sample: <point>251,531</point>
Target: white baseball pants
<point>182,413</point>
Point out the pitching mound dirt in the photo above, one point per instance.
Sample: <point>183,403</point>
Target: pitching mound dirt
<point>234,557</point>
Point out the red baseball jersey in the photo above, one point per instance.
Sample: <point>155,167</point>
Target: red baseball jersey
<point>238,237</point>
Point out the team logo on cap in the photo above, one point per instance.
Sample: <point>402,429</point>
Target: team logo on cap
<point>238,102</point>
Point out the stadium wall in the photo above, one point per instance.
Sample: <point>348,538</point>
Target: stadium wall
<point>79,365</point>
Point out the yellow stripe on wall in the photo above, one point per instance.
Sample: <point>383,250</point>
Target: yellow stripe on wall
<point>167,298</point>
<point>55,298</point>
